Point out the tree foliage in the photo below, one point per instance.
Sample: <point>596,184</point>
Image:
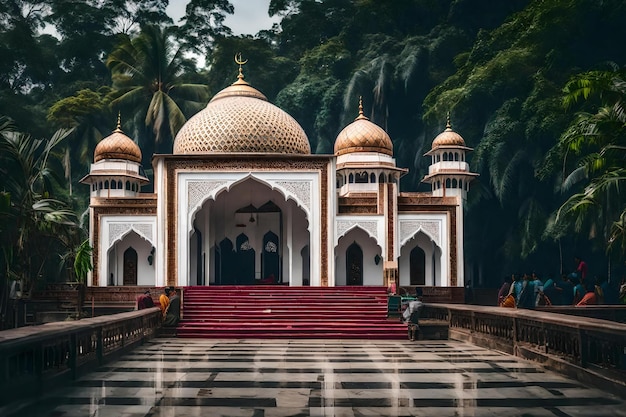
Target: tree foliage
<point>147,80</point>
<point>549,180</point>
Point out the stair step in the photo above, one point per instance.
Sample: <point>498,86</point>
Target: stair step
<point>278,311</point>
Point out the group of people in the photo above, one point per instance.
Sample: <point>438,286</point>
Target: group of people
<point>574,289</point>
<point>169,302</point>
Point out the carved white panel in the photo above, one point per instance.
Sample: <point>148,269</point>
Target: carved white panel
<point>301,189</point>
<point>370,226</point>
<point>117,230</point>
<point>198,190</point>
<point>409,228</point>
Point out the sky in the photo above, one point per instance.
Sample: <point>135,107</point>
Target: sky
<point>250,15</point>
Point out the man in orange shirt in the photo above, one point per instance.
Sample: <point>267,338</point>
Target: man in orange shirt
<point>164,301</point>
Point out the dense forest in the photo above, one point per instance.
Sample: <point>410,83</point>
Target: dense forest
<point>536,87</point>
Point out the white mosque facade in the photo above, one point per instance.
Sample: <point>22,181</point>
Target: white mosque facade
<point>242,201</point>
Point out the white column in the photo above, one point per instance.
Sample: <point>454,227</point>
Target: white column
<point>206,243</point>
<point>295,277</point>
<point>460,261</point>
<point>161,226</point>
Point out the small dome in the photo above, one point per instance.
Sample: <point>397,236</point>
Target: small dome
<point>117,146</point>
<point>448,138</point>
<point>240,119</point>
<point>363,136</point>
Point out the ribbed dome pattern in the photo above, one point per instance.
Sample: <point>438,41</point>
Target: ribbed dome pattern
<point>363,136</point>
<point>239,119</point>
<point>117,146</point>
<point>448,138</point>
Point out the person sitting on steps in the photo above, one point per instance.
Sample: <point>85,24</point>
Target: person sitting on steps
<point>172,314</point>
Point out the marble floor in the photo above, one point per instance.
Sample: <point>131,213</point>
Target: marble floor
<point>279,378</point>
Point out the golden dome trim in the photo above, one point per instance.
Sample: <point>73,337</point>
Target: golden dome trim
<point>448,137</point>
<point>117,146</point>
<point>362,135</point>
<point>240,119</point>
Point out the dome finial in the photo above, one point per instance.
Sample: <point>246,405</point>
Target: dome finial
<point>239,61</point>
<point>118,128</point>
<point>361,115</point>
<point>448,125</point>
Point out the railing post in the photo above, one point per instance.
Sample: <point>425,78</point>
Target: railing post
<point>100,346</point>
<point>582,348</point>
<point>514,338</point>
<point>72,361</point>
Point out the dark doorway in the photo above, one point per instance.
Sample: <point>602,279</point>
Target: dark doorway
<point>225,263</point>
<point>245,261</point>
<point>354,265</point>
<point>199,258</point>
<point>130,266</point>
<point>270,259</point>
<point>306,266</point>
<point>417,266</point>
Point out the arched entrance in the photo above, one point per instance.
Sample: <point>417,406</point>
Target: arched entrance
<point>420,261</point>
<point>130,261</point>
<point>358,259</point>
<point>268,232</point>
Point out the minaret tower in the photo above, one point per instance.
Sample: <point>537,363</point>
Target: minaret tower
<point>449,173</point>
<point>365,165</point>
<point>117,170</point>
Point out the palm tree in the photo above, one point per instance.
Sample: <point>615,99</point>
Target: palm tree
<point>594,147</point>
<point>147,73</point>
<point>35,227</point>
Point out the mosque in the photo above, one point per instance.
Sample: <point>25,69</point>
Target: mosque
<point>242,201</point>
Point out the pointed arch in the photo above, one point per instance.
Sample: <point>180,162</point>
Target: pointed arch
<point>368,226</point>
<point>120,231</point>
<point>201,191</point>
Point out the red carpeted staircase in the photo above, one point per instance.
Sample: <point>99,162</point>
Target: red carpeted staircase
<point>276,311</point>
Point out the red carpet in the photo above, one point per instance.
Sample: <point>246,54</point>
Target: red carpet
<point>276,311</point>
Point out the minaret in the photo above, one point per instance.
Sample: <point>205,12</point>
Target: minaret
<point>449,173</point>
<point>365,164</point>
<point>117,170</point>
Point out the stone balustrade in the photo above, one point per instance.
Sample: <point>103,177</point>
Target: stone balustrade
<point>32,358</point>
<point>580,347</point>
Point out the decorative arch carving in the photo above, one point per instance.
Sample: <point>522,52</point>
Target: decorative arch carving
<point>368,226</point>
<point>117,231</point>
<point>200,191</point>
<point>299,191</point>
<point>409,228</point>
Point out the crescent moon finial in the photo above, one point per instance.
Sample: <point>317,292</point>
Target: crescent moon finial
<point>239,61</point>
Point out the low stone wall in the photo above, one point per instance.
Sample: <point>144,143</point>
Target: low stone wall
<point>588,349</point>
<point>615,313</point>
<point>33,358</point>
<point>449,295</point>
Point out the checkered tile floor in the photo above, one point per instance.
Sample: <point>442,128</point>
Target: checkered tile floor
<point>263,378</point>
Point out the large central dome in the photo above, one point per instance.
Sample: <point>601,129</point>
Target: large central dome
<point>239,119</point>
